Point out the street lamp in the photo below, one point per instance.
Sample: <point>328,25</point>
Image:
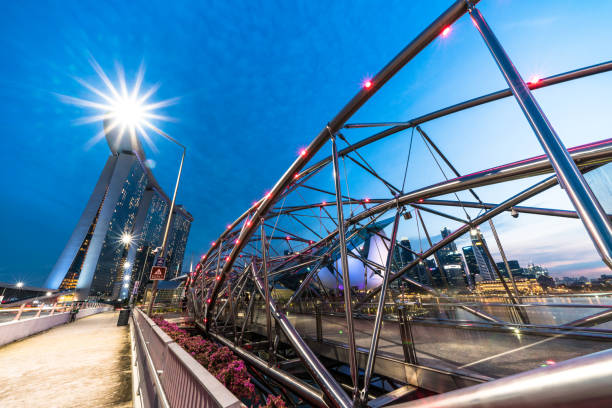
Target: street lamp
<point>130,113</point>
<point>126,238</point>
<point>19,285</point>
<point>164,241</point>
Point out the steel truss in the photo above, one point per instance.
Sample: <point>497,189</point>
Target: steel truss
<point>286,236</point>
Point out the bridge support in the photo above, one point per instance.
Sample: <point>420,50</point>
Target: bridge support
<point>570,178</point>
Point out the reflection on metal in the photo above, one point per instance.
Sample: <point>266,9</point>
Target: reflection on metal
<point>316,270</point>
<point>582,382</point>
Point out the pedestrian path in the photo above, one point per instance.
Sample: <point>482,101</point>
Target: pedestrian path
<point>80,364</point>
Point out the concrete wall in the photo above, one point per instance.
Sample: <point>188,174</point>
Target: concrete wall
<point>20,329</point>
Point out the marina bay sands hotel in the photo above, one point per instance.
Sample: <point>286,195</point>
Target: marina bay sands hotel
<point>114,243</point>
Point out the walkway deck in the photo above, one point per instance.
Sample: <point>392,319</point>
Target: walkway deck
<point>81,364</point>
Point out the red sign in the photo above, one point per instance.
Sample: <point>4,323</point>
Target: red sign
<point>158,273</point>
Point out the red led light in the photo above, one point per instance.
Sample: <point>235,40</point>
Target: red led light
<point>534,79</point>
<point>367,84</point>
<point>218,277</point>
<point>248,223</point>
<point>287,237</point>
<point>550,362</point>
<point>296,176</point>
<point>207,300</point>
<point>421,200</point>
<point>237,241</point>
<point>212,243</point>
<point>228,226</point>
<point>227,258</point>
<point>268,195</point>
<point>311,242</point>
<point>324,203</point>
<point>303,152</point>
<point>446,31</point>
<point>367,200</point>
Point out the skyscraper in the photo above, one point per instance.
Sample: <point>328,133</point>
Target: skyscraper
<point>480,259</point>
<point>128,202</point>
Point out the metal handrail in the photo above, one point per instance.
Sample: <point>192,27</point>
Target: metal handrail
<point>151,367</point>
<point>581,382</point>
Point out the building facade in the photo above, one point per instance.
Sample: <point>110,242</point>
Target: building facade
<point>98,260</point>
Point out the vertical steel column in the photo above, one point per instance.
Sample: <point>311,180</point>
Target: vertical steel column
<point>379,313</point>
<point>249,312</point>
<point>264,268</point>
<point>570,179</point>
<point>503,255</point>
<point>346,282</point>
<point>318,322</point>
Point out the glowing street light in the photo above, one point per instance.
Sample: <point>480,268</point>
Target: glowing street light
<point>130,111</point>
<point>126,238</point>
<point>19,285</point>
<point>126,265</point>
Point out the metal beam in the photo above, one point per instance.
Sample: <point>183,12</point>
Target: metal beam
<point>582,382</point>
<point>337,397</point>
<point>570,178</point>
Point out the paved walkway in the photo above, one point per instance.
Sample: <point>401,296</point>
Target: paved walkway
<point>81,364</point>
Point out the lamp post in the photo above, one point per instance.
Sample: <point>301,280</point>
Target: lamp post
<point>164,241</point>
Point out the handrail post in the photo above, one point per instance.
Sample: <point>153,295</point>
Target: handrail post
<point>19,312</point>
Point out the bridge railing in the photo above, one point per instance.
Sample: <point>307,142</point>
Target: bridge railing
<point>19,323</point>
<point>168,376</point>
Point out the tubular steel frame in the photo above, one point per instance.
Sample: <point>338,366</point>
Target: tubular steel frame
<point>241,267</point>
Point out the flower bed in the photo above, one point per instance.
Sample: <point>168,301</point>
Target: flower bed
<point>220,362</point>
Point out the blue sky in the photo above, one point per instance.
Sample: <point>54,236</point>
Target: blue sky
<point>258,80</point>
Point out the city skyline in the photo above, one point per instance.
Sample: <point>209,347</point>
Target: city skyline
<point>295,101</point>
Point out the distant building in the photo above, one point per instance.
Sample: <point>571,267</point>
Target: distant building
<point>524,286</point>
<point>127,201</point>
<point>476,258</point>
<point>515,268</point>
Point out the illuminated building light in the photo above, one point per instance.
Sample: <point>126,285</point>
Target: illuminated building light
<point>446,31</point>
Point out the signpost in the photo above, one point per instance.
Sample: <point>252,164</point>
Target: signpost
<point>158,273</point>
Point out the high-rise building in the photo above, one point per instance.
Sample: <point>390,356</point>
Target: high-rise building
<point>478,258</point>
<point>122,225</point>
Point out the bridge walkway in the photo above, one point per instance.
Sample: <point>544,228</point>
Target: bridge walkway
<point>80,364</point>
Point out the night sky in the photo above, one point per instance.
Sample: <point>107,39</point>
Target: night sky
<point>257,81</point>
